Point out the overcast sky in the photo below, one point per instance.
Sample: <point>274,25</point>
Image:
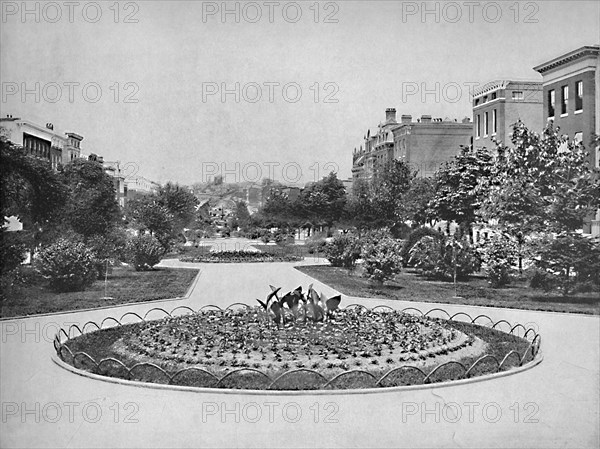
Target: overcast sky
<point>162,67</point>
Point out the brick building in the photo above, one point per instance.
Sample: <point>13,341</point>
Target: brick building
<point>425,143</point>
<point>498,105</point>
<point>572,101</point>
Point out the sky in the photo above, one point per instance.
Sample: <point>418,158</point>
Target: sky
<point>183,91</point>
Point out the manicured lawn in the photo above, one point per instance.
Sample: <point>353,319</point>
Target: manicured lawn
<point>409,286</point>
<point>125,285</point>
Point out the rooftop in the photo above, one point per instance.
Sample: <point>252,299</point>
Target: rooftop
<point>582,52</point>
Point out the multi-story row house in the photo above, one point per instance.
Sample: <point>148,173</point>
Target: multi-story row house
<point>42,141</point>
<point>425,144</point>
<point>568,96</point>
<point>498,105</point>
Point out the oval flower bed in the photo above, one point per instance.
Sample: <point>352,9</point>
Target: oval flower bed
<point>241,256</point>
<point>296,349</point>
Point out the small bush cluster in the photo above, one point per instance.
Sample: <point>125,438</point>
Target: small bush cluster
<point>499,255</point>
<point>67,265</point>
<point>316,245</point>
<point>381,256</point>
<point>440,258</point>
<point>413,238</point>
<point>343,251</point>
<point>144,251</point>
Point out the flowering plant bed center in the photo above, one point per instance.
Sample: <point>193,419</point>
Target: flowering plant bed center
<point>222,341</point>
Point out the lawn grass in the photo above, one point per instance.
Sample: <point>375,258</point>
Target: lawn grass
<point>125,285</point>
<point>410,286</point>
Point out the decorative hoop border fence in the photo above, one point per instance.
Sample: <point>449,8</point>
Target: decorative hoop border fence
<point>162,377</point>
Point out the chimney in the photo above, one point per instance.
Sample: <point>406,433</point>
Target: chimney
<point>390,115</point>
<point>406,118</point>
<point>426,119</point>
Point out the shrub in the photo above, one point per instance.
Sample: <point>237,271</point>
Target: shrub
<point>315,245</point>
<point>541,280</point>
<point>413,238</point>
<point>499,253</point>
<point>108,249</point>
<point>571,259</point>
<point>381,257</point>
<point>343,251</point>
<point>144,251</point>
<point>13,250</point>
<point>436,258</point>
<point>67,265</point>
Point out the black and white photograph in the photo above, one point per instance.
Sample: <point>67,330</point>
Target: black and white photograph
<point>300,224</point>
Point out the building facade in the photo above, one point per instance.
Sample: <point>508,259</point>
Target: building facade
<point>571,85</point>
<point>42,141</point>
<point>425,144</point>
<point>138,185</point>
<point>498,105</point>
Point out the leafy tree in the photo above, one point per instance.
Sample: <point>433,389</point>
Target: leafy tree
<point>322,202</point>
<point>416,200</point>
<point>456,196</point>
<point>571,259</point>
<point>147,213</point>
<point>91,208</point>
<point>30,190</point>
<point>541,183</point>
<point>389,189</point>
<point>359,210</point>
<point>181,204</point>
<point>242,216</point>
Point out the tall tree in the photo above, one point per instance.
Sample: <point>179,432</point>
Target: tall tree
<point>540,183</point>
<point>457,197</point>
<point>389,189</point>
<point>322,202</point>
<point>92,208</point>
<point>30,190</point>
<point>146,213</point>
<point>180,202</point>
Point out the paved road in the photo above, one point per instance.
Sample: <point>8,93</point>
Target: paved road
<point>555,404</point>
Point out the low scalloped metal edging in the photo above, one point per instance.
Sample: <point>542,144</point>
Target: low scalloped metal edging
<point>533,348</point>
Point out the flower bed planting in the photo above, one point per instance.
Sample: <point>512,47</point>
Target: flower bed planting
<point>297,342</point>
<point>241,256</point>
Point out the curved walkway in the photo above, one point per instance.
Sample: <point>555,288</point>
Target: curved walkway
<point>555,404</point>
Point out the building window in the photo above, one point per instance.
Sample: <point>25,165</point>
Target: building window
<point>494,96</point>
<point>579,96</point>
<point>494,122</point>
<point>518,95</point>
<point>551,102</point>
<point>564,103</point>
<point>478,130</point>
<point>477,102</point>
<point>485,99</point>
<point>485,124</point>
